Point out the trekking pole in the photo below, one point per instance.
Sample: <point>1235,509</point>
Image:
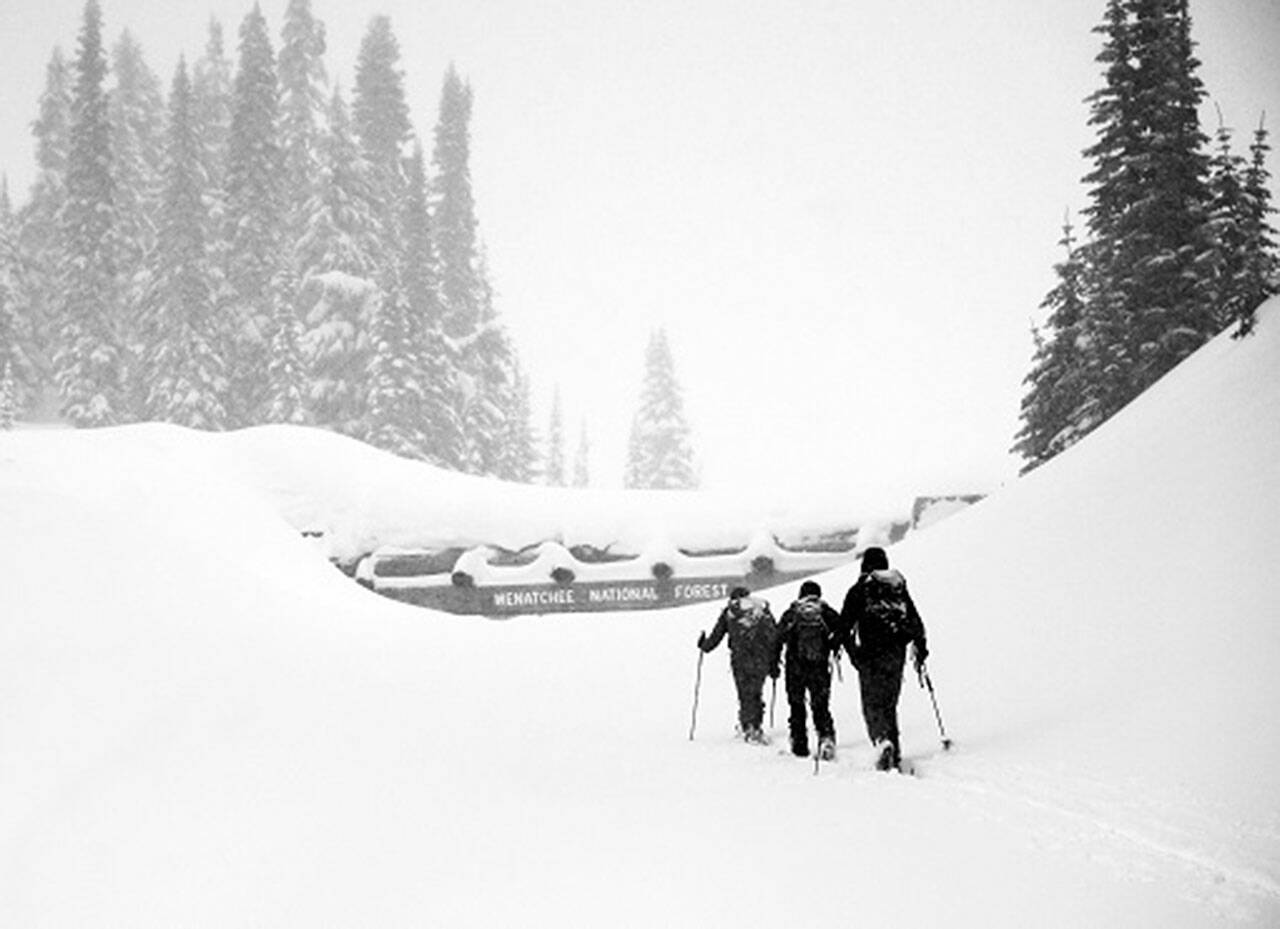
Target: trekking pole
<point>924,679</point>
<point>697,684</point>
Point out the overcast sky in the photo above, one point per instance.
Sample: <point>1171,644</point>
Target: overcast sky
<point>844,212</point>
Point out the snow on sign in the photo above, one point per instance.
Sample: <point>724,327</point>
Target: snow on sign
<point>549,578</point>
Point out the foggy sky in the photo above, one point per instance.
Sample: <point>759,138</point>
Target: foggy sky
<point>844,212</point>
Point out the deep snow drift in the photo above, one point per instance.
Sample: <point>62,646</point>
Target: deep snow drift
<point>202,723</point>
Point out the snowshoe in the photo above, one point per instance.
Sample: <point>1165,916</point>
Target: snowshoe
<point>827,750</point>
<point>800,749</point>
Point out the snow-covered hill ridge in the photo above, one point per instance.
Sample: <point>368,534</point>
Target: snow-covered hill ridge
<point>203,724</point>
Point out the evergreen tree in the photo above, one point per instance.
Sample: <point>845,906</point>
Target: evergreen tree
<point>137,150</point>
<point>287,377</point>
<point>380,112</point>
<point>17,335</point>
<point>185,372</point>
<point>302,105</point>
<point>1149,210</point>
<point>136,111</point>
<point>493,363</point>
<point>437,419</point>
<point>659,452</point>
<point>581,459</point>
<point>394,392</point>
<point>8,399</point>
<point>555,472</point>
<point>519,447</point>
<point>1054,388</point>
<point>211,81</point>
<point>1226,224</point>
<point>1260,268</point>
<point>254,215</point>
<point>88,360</point>
<point>39,233</point>
<point>338,260</point>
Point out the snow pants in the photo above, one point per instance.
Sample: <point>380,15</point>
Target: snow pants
<point>880,684</point>
<point>814,680</point>
<point>750,683</point>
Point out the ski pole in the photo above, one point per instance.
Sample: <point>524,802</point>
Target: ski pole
<point>924,676</point>
<point>697,684</point>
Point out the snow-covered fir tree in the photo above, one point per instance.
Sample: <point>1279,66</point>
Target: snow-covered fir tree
<point>493,360</point>
<point>435,371</point>
<point>481,350</point>
<point>582,458</point>
<point>660,450</point>
<point>18,335</point>
<point>1226,224</point>
<point>88,361</point>
<point>1053,384</point>
<point>1148,216</point>
<point>136,109</point>
<point>380,115</point>
<point>254,216</point>
<point>39,222</point>
<point>338,257</point>
<point>211,116</point>
<point>395,398</point>
<point>1149,269</point>
<point>287,375</point>
<point>8,397</point>
<point>1260,274</point>
<point>554,474</point>
<point>519,460</point>
<point>184,370</point>
<point>303,100</point>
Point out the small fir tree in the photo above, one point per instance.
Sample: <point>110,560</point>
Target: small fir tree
<point>659,452</point>
<point>1260,267</point>
<point>581,458</point>
<point>554,475</point>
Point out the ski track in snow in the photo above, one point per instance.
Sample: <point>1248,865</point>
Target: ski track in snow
<point>1085,813</point>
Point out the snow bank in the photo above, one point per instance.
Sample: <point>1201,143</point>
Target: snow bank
<point>203,724</point>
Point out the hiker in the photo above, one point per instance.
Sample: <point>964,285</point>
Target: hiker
<point>808,631</point>
<point>878,621</point>
<point>751,628</point>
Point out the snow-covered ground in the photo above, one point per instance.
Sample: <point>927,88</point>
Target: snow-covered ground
<point>202,723</point>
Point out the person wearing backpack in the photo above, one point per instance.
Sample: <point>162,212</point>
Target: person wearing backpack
<point>751,628</point>
<point>807,632</point>
<point>879,620</point>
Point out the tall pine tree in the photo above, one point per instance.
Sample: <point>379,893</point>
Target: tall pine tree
<point>581,458</point>
<point>185,372</point>
<point>303,99</point>
<point>660,452</point>
<point>89,358</point>
<point>136,111</point>
<point>254,216</point>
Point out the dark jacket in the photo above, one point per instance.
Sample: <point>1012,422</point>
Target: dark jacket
<point>751,629</point>
<point>803,644</point>
<point>864,634</point>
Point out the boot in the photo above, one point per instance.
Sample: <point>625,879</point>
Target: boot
<point>827,750</point>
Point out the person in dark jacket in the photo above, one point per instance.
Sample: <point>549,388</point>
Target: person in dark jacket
<point>879,620</point>
<point>751,628</point>
<point>808,633</point>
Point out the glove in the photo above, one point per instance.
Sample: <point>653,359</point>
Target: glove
<point>855,656</point>
<point>702,640</point>
<point>774,672</point>
<point>921,655</point>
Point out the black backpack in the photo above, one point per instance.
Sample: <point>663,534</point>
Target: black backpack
<point>885,593</point>
<point>811,634</point>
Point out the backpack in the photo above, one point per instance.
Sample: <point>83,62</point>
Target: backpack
<point>885,593</point>
<point>811,634</point>
<point>753,622</point>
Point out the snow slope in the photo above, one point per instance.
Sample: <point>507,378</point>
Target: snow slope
<point>203,724</point>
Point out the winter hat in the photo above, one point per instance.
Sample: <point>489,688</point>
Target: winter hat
<point>874,559</point>
<point>810,589</point>
<point>738,593</point>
